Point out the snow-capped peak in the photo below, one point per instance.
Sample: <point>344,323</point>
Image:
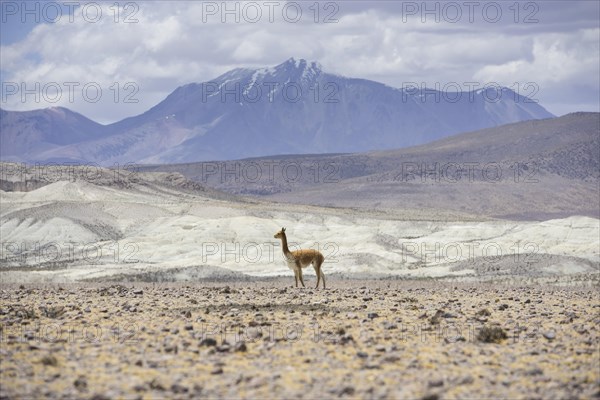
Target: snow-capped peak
<point>300,64</point>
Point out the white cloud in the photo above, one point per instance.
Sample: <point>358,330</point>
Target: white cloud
<point>564,66</point>
<point>556,58</point>
<point>171,46</point>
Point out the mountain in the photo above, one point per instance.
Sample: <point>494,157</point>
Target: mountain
<point>527,170</point>
<point>292,108</point>
<point>27,135</point>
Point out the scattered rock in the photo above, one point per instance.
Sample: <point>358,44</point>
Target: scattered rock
<point>208,342</point>
<point>177,388</point>
<point>81,383</point>
<point>240,347</point>
<point>491,334</point>
<point>171,349</point>
<point>484,312</point>
<point>389,325</point>
<point>435,320</point>
<point>139,388</point>
<point>53,312</point>
<point>380,348</point>
<point>223,348</point>
<point>454,339</point>
<point>346,391</point>
<point>391,358</point>
<point>534,372</point>
<point>346,338</point>
<point>154,384</point>
<point>100,396</point>
<point>436,383</point>
<point>49,360</point>
<point>372,365</point>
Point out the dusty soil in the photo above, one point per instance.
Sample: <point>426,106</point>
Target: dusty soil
<point>357,339</point>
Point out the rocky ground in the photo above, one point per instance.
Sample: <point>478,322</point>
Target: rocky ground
<point>357,339</point>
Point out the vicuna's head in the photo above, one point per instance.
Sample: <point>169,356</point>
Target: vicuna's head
<point>280,234</point>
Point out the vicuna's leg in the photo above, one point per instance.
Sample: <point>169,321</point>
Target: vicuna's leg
<point>319,272</point>
<point>296,277</point>
<point>317,268</point>
<point>300,276</point>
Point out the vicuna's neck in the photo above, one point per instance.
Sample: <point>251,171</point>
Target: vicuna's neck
<point>284,244</point>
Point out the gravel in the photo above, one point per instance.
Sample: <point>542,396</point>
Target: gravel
<point>241,340</point>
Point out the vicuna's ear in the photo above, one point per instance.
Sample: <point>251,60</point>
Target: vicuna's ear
<point>282,229</point>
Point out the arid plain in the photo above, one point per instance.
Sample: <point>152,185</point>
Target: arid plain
<point>357,339</point>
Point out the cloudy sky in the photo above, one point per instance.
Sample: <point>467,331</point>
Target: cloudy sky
<point>139,52</point>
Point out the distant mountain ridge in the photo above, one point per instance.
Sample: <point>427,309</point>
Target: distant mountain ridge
<point>292,108</point>
<point>534,169</point>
